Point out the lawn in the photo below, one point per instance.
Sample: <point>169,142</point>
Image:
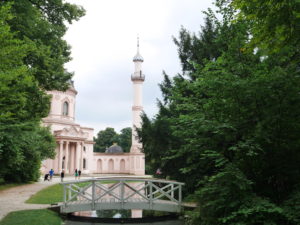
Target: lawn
<point>32,217</point>
<point>49,195</point>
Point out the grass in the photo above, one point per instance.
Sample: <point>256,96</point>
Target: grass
<point>32,217</point>
<point>49,195</point>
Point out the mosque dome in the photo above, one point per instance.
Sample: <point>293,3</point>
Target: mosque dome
<point>114,149</point>
<point>138,57</point>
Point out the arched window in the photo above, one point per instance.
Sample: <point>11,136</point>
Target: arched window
<point>122,166</point>
<point>110,166</point>
<point>84,163</point>
<point>66,108</point>
<point>99,166</point>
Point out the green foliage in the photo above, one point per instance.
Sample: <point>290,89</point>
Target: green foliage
<point>275,24</point>
<point>291,206</point>
<point>124,139</point>
<point>228,126</point>
<point>32,217</point>
<point>106,138</point>
<point>42,25</point>
<point>20,143</point>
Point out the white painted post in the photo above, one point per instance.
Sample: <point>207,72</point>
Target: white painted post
<point>122,188</point>
<point>70,194</point>
<point>172,192</point>
<point>151,197</point>
<point>65,195</point>
<point>93,195</point>
<point>179,194</point>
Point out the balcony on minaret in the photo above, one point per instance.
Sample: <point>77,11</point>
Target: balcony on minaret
<point>138,76</point>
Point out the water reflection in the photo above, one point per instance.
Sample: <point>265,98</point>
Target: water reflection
<point>129,217</point>
<point>169,222</point>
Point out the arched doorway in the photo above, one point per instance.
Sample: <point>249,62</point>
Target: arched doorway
<point>99,166</point>
<point>110,166</point>
<point>122,166</point>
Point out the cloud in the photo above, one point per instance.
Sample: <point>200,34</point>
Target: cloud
<point>103,44</point>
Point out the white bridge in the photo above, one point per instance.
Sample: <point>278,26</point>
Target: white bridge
<point>122,193</point>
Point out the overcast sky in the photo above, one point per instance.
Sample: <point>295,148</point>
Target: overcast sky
<point>104,43</point>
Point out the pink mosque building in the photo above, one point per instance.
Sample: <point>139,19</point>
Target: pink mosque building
<point>75,143</point>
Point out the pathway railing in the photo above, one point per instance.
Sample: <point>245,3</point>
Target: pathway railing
<point>122,193</point>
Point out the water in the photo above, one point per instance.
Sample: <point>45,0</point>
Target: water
<point>169,222</point>
<point>129,217</point>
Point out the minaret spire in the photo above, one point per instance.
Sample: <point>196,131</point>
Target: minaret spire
<point>138,43</point>
<point>138,57</point>
<point>137,79</point>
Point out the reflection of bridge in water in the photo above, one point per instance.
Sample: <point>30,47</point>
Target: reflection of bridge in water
<point>122,193</point>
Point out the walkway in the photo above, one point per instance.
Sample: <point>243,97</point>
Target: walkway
<point>13,199</point>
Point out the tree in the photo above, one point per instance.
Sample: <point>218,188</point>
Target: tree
<point>231,125</point>
<point>22,105</point>
<point>274,24</point>
<point>32,57</point>
<point>124,139</point>
<point>105,138</point>
<point>42,25</point>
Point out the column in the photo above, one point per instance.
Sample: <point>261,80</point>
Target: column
<point>60,156</point>
<point>67,168</point>
<point>81,156</point>
<point>71,158</point>
<point>77,156</point>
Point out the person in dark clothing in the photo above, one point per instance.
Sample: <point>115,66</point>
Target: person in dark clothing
<point>79,174</point>
<point>46,177</point>
<point>62,175</point>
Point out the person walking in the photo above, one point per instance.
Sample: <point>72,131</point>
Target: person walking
<point>51,173</point>
<point>76,174</point>
<point>62,175</point>
<point>79,174</point>
<point>46,177</point>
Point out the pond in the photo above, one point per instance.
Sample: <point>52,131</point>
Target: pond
<point>107,217</point>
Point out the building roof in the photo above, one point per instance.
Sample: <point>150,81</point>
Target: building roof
<point>114,149</point>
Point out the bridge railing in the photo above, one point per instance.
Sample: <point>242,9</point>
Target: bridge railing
<point>140,192</point>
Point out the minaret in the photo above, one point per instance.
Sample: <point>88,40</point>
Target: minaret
<point>137,78</point>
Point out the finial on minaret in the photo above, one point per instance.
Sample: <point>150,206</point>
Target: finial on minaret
<point>138,43</point>
<point>138,57</point>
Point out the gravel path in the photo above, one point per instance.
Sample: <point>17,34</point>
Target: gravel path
<point>13,199</point>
